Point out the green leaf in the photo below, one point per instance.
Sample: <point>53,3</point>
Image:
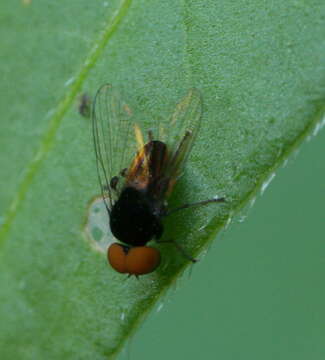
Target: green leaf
<point>259,67</point>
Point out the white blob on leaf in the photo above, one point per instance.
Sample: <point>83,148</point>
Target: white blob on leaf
<point>97,227</point>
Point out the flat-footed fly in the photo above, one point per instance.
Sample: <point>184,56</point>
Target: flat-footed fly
<point>137,171</point>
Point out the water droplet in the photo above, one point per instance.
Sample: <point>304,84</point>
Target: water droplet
<point>267,183</point>
<point>319,126</point>
<point>122,316</point>
<point>160,306</point>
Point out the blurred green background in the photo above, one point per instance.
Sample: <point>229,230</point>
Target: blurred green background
<point>259,293</point>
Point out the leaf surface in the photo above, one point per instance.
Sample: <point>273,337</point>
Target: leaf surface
<point>260,69</point>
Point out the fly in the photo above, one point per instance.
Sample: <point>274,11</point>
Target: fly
<point>137,172</point>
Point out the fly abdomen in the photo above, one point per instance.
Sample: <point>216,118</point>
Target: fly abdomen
<point>132,219</point>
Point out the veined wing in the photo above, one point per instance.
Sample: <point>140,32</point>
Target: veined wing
<point>114,141</point>
<point>183,126</point>
<point>160,161</point>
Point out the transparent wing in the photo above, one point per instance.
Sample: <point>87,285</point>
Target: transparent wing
<point>183,127</point>
<point>114,141</point>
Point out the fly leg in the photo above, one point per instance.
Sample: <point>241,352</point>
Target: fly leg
<point>199,203</point>
<point>179,248</point>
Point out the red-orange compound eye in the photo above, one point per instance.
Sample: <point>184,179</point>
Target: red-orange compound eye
<point>142,260</point>
<point>116,256</point>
